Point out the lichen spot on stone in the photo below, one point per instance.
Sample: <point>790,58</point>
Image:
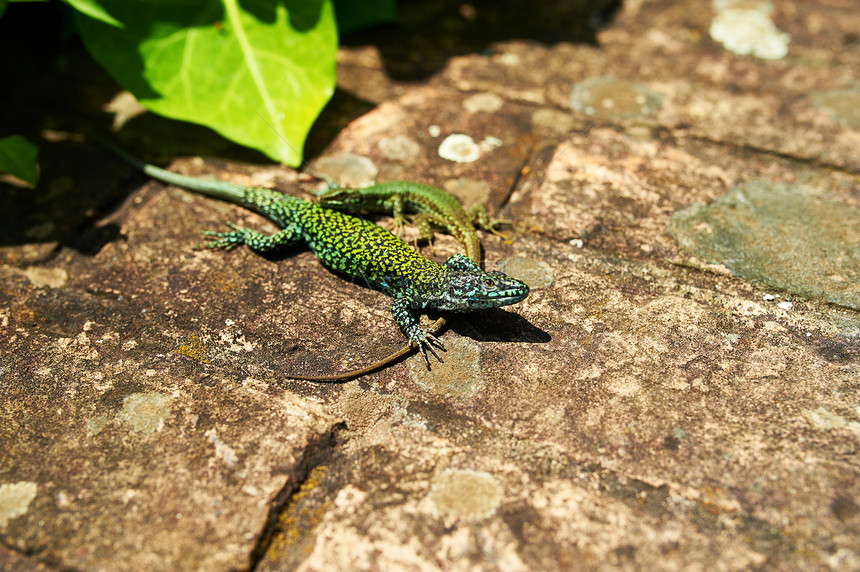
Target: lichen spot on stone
<point>399,148</point>
<point>458,377</point>
<point>469,191</point>
<point>348,169</point>
<point>95,425</point>
<point>843,105</point>
<point>536,273</point>
<point>467,494</point>
<point>146,412</point>
<point>614,98</point>
<point>459,148</point>
<point>193,348</point>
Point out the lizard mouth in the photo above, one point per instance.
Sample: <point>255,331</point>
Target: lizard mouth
<point>506,299</point>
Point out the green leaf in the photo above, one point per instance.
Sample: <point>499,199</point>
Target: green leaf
<point>93,9</point>
<point>18,158</point>
<point>353,15</point>
<point>258,72</point>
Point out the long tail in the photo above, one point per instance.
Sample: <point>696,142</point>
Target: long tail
<point>222,190</point>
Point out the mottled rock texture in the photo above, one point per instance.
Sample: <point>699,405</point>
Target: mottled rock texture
<point>679,391</point>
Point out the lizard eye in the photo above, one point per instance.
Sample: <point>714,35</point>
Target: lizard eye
<point>489,283</point>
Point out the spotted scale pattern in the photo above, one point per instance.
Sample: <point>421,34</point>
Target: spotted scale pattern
<point>434,206</point>
<point>361,249</point>
<point>344,243</point>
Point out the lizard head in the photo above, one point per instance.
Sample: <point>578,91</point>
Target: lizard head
<point>467,287</point>
<point>338,197</point>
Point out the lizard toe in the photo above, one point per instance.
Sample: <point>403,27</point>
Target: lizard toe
<point>426,341</point>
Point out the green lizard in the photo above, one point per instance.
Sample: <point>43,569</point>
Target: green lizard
<point>433,205</point>
<point>358,248</point>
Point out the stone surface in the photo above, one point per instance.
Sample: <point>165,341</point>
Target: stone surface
<point>131,459</point>
<point>652,404</point>
<point>769,233</point>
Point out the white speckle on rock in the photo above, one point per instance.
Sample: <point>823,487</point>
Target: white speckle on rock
<point>459,148</point>
<point>746,30</point>
<point>434,130</point>
<point>785,305</point>
<point>487,102</point>
<point>222,450</point>
<point>15,499</point>
<point>489,143</point>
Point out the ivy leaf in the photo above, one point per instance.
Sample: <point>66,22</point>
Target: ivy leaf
<point>18,158</point>
<point>257,72</point>
<point>93,9</point>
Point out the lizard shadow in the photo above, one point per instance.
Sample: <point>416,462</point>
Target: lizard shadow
<point>497,325</point>
<point>490,325</point>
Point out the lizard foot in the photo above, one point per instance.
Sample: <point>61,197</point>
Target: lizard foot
<point>425,341</point>
<point>490,226</point>
<point>227,240</point>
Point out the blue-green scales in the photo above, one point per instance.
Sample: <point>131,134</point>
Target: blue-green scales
<point>361,249</point>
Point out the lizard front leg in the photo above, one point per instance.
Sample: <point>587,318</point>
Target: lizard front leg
<point>255,239</point>
<point>394,203</point>
<point>416,334</point>
<point>479,217</point>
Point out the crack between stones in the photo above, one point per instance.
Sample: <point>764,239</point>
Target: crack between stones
<point>314,455</point>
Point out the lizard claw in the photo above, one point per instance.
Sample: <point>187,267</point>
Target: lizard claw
<point>425,341</point>
<point>227,240</point>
